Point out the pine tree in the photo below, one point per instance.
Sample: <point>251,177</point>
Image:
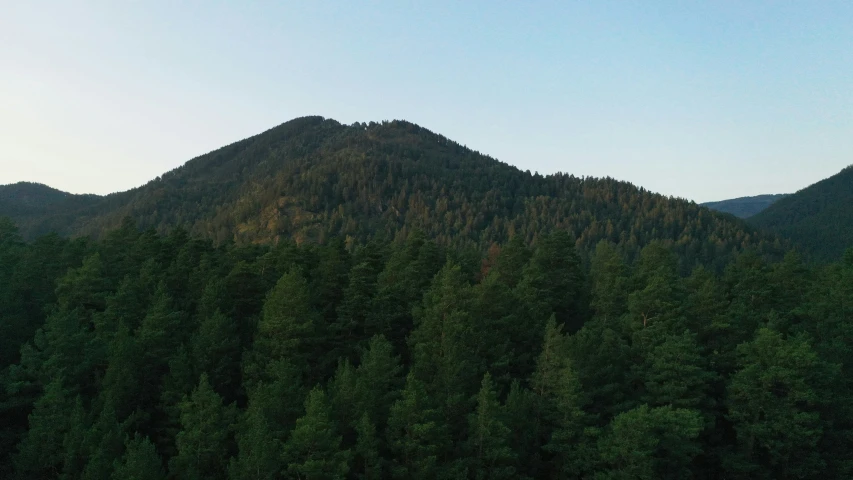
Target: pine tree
<point>287,330</point>
<point>609,277</point>
<point>650,443</point>
<point>203,442</point>
<point>274,406</point>
<point>313,450</point>
<point>602,358</point>
<point>342,401</point>
<point>509,265</point>
<point>674,373</point>
<point>161,331</point>
<point>417,435</point>
<point>216,351</point>
<point>259,456</point>
<point>657,301</point>
<point>41,452</point>
<point>442,345</point>
<point>368,462</point>
<point>104,445</point>
<point>554,283</point>
<point>520,408</point>
<point>351,326</point>
<point>488,437</point>
<point>497,326</point>
<point>773,403</point>
<point>378,379</point>
<point>139,462</point>
<point>120,389</point>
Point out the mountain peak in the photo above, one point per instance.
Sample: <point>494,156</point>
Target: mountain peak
<point>313,177</point>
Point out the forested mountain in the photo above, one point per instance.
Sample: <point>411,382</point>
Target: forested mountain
<point>141,356</point>
<point>819,218</point>
<point>325,301</point>
<point>312,178</point>
<point>745,207</point>
<point>39,209</point>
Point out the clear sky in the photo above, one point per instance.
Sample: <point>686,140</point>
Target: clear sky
<point>702,100</point>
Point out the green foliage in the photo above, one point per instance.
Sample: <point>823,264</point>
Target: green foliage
<point>313,450</point>
<point>817,218</point>
<point>139,462</point>
<point>41,452</point>
<point>148,351</point>
<point>289,326</point>
<point>650,443</point>
<point>773,402</point>
<point>417,435</point>
<point>488,443</point>
<point>203,442</point>
<point>312,179</point>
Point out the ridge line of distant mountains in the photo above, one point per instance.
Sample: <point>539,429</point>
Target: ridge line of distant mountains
<point>745,207</point>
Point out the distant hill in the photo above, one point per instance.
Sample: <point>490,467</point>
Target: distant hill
<point>39,209</point>
<point>818,218</point>
<point>312,177</point>
<point>745,207</point>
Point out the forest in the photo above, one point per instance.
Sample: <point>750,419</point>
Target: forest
<point>149,355</point>
<point>818,218</point>
<point>312,178</point>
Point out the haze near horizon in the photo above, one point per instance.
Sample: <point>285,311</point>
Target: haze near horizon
<point>698,101</point>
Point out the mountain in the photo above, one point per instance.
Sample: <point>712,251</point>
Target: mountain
<point>745,207</point>
<point>818,218</point>
<point>311,178</point>
<point>39,209</point>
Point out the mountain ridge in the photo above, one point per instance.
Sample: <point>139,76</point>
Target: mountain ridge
<point>312,178</point>
<point>817,218</point>
<point>745,207</point>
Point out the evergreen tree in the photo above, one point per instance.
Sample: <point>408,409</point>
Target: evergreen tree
<point>417,436</point>
<point>488,437</point>
<point>203,442</point>
<point>555,283</point>
<point>442,346</point>
<point>104,445</point>
<point>139,462</point>
<point>609,279</point>
<point>497,327</point>
<point>216,351</point>
<point>259,456</point>
<point>41,452</point>
<point>773,403</point>
<point>674,373</point>
<point>287,330</point>
<point>559,417</point>
<point>650,443</point>
<point>509,265</point>
<point>520,408</point>
<point>313,450</point>
<point>378,379</point>
<point>368,462</point>
<point>272,411</point>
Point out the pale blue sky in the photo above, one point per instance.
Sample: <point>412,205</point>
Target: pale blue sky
<point>702,100</point>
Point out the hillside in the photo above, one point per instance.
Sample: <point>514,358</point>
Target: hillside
<point>818,218</point>
<point>311,178</point>
<point>39,209</point>
<point>745,207</point>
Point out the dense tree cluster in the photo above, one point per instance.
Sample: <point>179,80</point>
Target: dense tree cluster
<point>818,219</point>
<point>143,356</point>
<point>312,179</point>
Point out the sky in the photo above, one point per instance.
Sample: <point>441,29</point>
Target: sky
<point>699,100</point>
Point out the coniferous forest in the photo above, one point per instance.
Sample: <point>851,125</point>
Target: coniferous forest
<point>150,355</point>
